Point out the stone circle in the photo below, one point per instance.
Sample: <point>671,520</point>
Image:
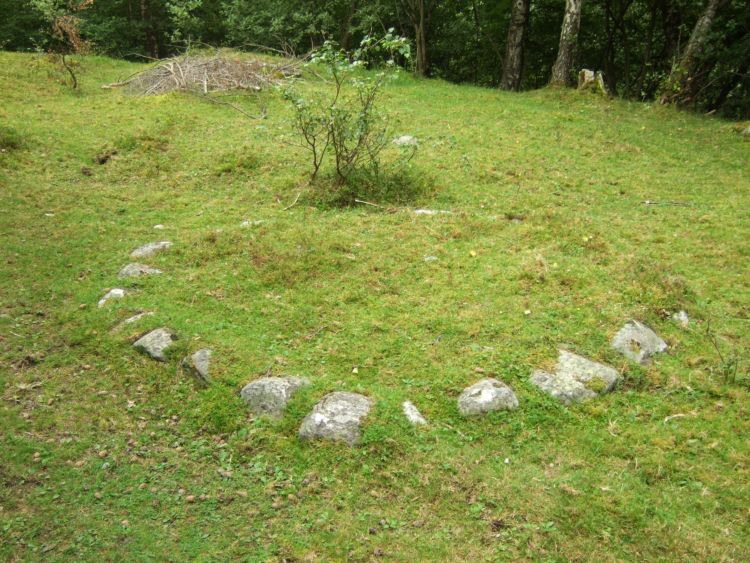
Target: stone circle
<point>336,417</point>
<point>268,396</point>
<point>486,396</point>
<point>638,342</point>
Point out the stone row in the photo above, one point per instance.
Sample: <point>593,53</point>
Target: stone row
<point>338,416</point>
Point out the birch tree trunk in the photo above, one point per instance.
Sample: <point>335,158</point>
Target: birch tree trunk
<point>681,86</point>
<point>562,74</point>
<point>514,46</point>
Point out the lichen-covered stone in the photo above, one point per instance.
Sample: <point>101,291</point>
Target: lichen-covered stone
<point>412,414</point>
<point>405,141</point>
<point>155,343</point>
<point>116,293</point>
<point>681,318</point>
<point>593,81</point>
<point>336,417</point>
<point>638,342</point>
<point>486,396</point>
<point>576,378</point>
<point>135,270</point>
<point>150,249</point>
<point>268,396</point>
<point>197,366</point>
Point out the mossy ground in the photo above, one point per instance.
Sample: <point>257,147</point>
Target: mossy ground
<point>548,244</point>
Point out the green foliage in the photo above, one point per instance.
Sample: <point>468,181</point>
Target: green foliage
<point>346,120</point>
<point>634,42</point>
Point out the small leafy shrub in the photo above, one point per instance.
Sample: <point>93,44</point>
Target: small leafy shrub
<point>62,37</point>
<point>346,121</point>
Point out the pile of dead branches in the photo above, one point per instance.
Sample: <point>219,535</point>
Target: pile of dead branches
<point>202,75</point>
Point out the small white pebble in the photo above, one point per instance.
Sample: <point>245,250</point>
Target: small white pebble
<point>507,461</point>
<point>159,227</point>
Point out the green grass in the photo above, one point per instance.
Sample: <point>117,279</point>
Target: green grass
<point>101,446</point>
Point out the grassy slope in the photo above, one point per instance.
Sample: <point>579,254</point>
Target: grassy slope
<point>318,292</point>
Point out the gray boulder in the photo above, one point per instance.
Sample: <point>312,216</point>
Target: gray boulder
<point>135,270</point>
<point>575,378</point>
<point>150,249</point>
<point>336,417</point>
<point>155,343</point>
<point>412,414</point>
<point>197,366</point>
<point>638,342</point>
<point>485,396</point>
<point>269,396</point>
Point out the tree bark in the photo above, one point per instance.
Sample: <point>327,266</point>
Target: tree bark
<point>681,86</point>
<point>419,12</point>
<point>347,26</point>
<point>514,47</point>
<point>152,43</point>
<point>562,69</point>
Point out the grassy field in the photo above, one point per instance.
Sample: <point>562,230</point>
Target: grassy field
<point>108,455</point>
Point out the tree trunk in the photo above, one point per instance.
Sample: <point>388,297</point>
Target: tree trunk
<point>513,62</point>
<point>152,44</point>
<point>347,27</point>
<point>419,12</point>
<point>681,86</point>
<point>562,69</point>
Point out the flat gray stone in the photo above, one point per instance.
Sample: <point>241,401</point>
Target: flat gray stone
<point>138,317</point>
<point>150,249</point>
<point>576,378</point>
<point>116,293</point>
<point>412,414</point>
<point>486,396</point>
<point>269,396</point>
<point>638,342</point>
<point>197,366</point>
<point>135,270</point>
<point>336,417</point>
<point>155,343</point>
<point>405,141</point>
<point>431,212</point>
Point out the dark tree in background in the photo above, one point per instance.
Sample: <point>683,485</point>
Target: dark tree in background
<point>513,61</point>
<point>693,53</point>
<point>419,13</point>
